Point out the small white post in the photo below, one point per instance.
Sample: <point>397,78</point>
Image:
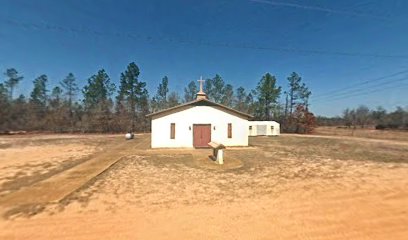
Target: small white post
<point>220,156</point>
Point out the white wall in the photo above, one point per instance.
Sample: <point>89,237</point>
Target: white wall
<point>185,119</point>
<point>269,131</point>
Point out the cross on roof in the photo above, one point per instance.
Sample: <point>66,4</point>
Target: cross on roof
<point>201,83</point>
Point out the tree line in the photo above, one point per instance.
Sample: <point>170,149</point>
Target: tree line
<point>364,117</point>
<point>101,106</point>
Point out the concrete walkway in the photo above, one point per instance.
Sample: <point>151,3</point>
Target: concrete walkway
<point>55,188</point>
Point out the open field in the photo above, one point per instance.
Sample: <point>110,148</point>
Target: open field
<point>287,187</point>
<point>399,135</point>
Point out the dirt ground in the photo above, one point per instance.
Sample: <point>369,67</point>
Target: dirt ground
<point>287,187</point>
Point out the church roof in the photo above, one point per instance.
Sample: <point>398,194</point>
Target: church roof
<point>201,102</point>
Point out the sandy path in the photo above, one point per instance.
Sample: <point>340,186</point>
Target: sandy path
<point>23,166</point>
<point>66,182</point>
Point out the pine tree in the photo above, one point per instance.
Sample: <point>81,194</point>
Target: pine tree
<point>173,99</point>
<point>190,92</point>
<point>250,102</point>
<point>38,102</point>
<point>268,94</point>
<point>71,89</point>
<point>143,110</point>
<point>39,93</point>
<point>56,94</point>
<point>298,92</point>
<point>294,88</point>
<point>215,89</point>
<point>239,100</point>
<point>4,107</point>
<point>159,101</point>
<point>19,118</point>
<point>162,91</point>
<point>56,110</point>
<point>13,79</point>
<point>98,102</point>
<point>297,97</point>
<point>132,93</point>
<point>228,95</point>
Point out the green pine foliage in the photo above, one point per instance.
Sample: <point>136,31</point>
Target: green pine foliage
<point>13,78</point>
<point>190,92</point>
<point>131,101</point>
<point>267,93</point>
<point>98,107</point>
<point>98,103</point>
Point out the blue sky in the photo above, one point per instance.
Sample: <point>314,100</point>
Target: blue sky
<point>331,44</point>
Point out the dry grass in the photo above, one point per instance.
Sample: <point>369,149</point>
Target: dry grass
<point>310,148</point>
<point>363,133</point>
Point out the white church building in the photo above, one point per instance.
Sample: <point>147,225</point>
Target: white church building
<point>196,123</point>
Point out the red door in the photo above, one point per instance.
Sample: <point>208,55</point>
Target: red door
<point>201,135</point>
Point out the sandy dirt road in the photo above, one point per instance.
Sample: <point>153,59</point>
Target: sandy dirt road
<point>266,193</point>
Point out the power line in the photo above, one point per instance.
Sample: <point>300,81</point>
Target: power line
<point>84,30</point>
<point>366,92</point>
<point>319,9</point>
<point>362,90</point>
<point>344,89</point>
